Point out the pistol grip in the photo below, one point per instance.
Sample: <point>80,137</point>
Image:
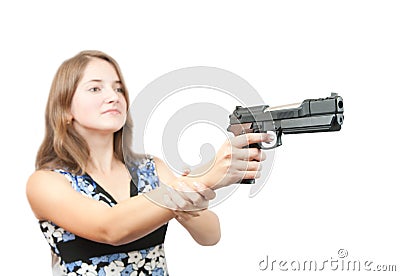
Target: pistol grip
<point>250,181</point>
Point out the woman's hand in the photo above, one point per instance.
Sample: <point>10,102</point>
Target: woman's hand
<point>235,161</point>
<point>186,195</point>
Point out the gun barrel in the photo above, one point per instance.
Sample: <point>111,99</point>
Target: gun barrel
<point>310,107</point>
<point>322,123</point>
<point>311,115</point>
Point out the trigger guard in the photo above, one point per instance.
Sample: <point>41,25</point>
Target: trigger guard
<point>274,144</point>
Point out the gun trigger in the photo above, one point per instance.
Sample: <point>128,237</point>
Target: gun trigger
<point>275,143</point>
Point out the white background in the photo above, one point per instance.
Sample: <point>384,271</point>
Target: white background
<point>326,192</point>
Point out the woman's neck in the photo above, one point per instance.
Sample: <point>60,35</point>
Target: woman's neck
<point>102,159</point>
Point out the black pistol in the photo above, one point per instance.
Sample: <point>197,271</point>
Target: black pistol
<point>311,115</point>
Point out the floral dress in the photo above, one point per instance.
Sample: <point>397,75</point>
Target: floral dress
<point>74,255</point>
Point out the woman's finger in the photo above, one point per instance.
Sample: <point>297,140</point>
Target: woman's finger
<point>206,192</point>
<point>248,154</point>
<point>181,215</point>
<point>169,203</point>
<point>176,197</point>
<point>193,196</point>
<point>250,138</point>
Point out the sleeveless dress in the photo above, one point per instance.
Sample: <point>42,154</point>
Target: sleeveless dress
<point>74,255</point>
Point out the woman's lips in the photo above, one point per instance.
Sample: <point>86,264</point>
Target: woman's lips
<point>112,111</point>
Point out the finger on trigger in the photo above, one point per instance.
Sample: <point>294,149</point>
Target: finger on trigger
<point>249,138</point>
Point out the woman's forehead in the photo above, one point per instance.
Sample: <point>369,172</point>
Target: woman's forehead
<point>99,69</point>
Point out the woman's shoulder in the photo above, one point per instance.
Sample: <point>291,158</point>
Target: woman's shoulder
<point>46,178</point>
<point>46,175</point>
<point>43,188</point>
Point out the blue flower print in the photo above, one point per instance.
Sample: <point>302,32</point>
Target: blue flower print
<point>86,186</point>
<point>67,236</point>
<point>158,272</point>
<point>97,260</point>
<point>147,176</point>
<point>71,266</point>
<point>145,261</point>
<point>127,271</point>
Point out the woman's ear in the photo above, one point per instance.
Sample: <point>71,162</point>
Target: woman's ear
<point>69,118</point>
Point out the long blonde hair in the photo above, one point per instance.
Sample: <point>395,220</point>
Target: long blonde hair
<point>63,147</point>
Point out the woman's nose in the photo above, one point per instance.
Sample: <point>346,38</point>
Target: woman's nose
<point>111,95</point>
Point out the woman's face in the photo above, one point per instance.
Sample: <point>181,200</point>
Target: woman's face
<point>98,104</point>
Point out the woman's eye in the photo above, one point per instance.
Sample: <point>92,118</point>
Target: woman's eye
<point>94,89</point>
<point>120,90</point>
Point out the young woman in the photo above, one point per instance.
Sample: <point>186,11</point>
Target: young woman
<point>99,215</point>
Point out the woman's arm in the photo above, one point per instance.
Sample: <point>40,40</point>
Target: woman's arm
<point>233,162</point>
<point>202,225</point>
<point>52,198</point>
